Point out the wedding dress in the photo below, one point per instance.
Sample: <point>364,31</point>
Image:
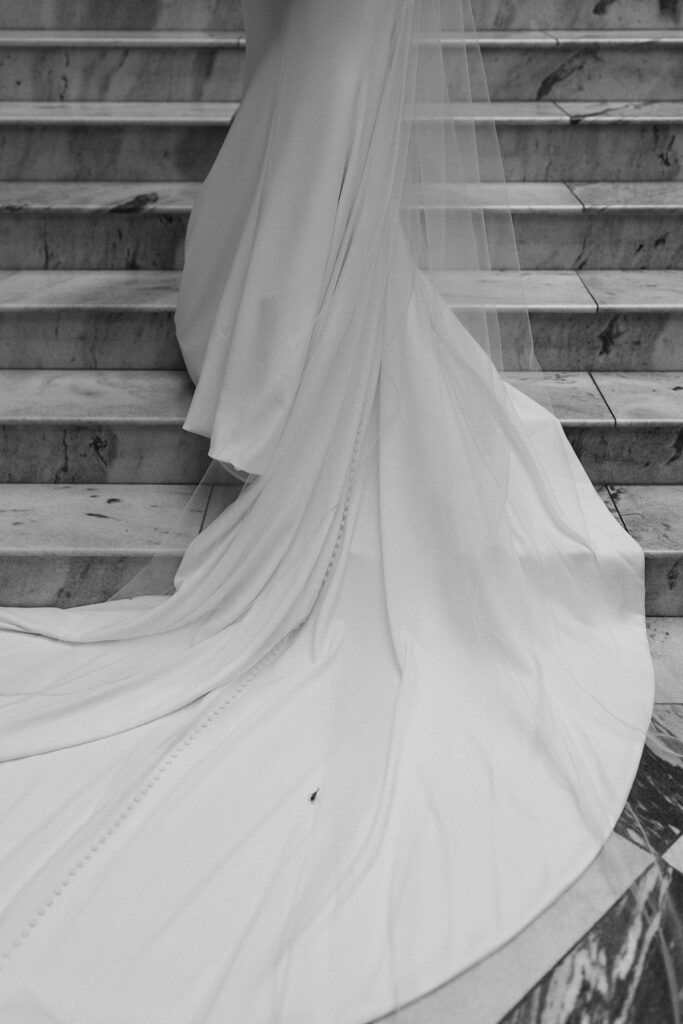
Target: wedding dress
<point>396,701</point>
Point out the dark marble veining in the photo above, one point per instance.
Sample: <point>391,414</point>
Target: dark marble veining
<point>617,972</point>
<point>635,340</point>
<point>594,69</point>
<point>653,816</point>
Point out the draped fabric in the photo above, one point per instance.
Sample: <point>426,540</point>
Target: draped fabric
<point>396,701</point>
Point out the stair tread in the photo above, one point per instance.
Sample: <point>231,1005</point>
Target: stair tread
<point>87,196</point>
<point>215,113</point>
<point>38,112</point>
<point>616,111</point>
<point>102,38</point>
<point>179,196</point>
<point>652,514</point>
<point>162,396</point>
<point>642,398</point>
<point>616,36</point>
<point>634,196</point>
<point>635,289</point>
<point>649,399</point>
<point>100,289</point>
<point>45,518</point>
<point>112,396</point>
<point>556,290</point>
<point>207,38</point>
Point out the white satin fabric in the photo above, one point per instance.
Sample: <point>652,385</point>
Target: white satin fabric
<point>398,698</point>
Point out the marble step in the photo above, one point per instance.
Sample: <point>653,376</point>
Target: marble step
<point>72,544</point>
<point>539,141</point>
<point>221,15</point>
<point>592,320</point>
<point>59,65</point>
<point>97,427</point>
<point>654,517</point>
<point>141,225</point>
<point>123,426</point>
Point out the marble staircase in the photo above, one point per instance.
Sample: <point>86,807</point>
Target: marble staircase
<point>110,116</point>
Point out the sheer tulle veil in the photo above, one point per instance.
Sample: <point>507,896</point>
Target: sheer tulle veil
<point>422,216</point>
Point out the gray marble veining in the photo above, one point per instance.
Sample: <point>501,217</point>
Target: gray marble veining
<point>209,70</point>
<point>105,149</point>
<point>176,141</point>
<point>598,70</point>
<point>88,338</point>
<point>558,14</point>
<point>100,451</point>
<point>585,151</point>
<point>126,15</point>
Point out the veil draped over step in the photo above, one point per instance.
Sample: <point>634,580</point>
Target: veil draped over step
<point>415,546</point>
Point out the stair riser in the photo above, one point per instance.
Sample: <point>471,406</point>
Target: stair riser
<point>47,452</point>
<point>92,241</point>
<point>143,152</point>
<point>593,152</point>
<point>66,581</point>
<point>208,74</point>
<point>583,72</point>
<point>214,14</point>
<point>115,453</point>
<point>214,74</point>
<point>609,241</point>
<point>125,15</point>
<point>86,339</point>
<point>154,241</point>
<point>108,153</point>
<point>664,584</point>
<point>582,14</point>
<point>621,341</point>
<point>99,340</point>
<point>70,580</point>
<point>631,455</point>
